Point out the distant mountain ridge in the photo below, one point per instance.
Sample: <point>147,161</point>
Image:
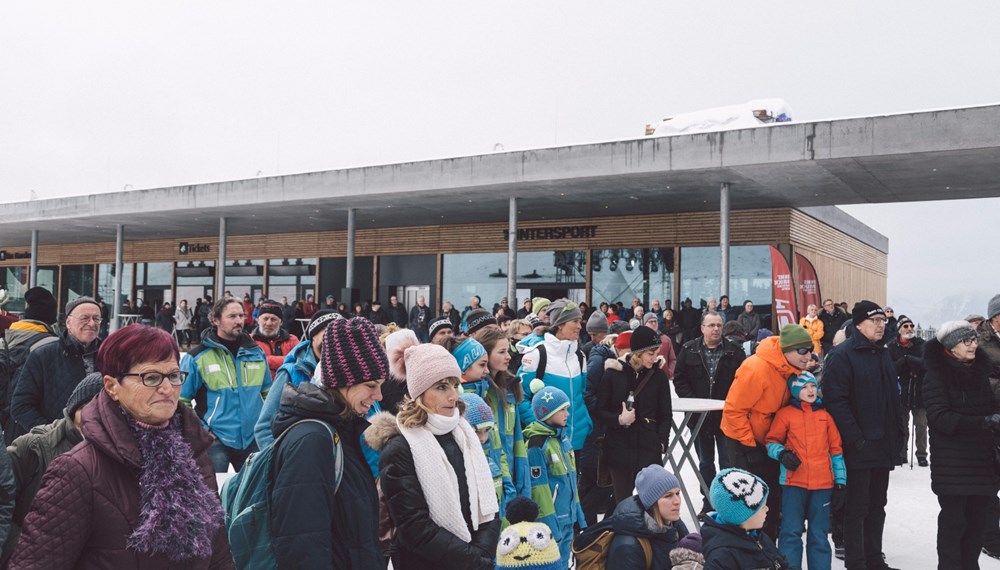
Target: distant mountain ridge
<point>950,308</point>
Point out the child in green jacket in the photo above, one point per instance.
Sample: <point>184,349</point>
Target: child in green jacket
<point>553,466</point>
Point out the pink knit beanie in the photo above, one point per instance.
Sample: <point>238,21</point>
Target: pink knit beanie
<point>423,365</point>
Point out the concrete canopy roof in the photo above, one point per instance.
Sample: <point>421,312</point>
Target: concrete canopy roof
<point>934,155</point>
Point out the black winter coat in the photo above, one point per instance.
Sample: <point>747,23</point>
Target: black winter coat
<point>862,394</point>
<point>311,526</point>
<point>832,323</point>
<point>420,543</point>
<point>49,376</point>
<point>691,377</point>
<point>595,373</point>
<point>631,521</point>
<point>958,398</point>
<point>727,547</point>
<point>909,363</point>
<point>643,442</point>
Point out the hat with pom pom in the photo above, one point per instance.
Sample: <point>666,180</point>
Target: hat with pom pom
<point>422,365</point>
<point>547,400</point>
<point>526,543</point>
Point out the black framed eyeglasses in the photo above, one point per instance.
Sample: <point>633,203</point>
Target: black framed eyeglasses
<point>803,351</point>
<point>154,379</point>
<point>970,341</point>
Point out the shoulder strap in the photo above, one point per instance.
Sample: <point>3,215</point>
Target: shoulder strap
<point>582,358</point>
<point>647,550</point>
<point>338,456</point>
<point>540,369</point>
<point>42,342</point>
<point>537,441</point>
<point>645,380</point>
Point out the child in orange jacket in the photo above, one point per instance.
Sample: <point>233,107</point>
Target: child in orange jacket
<point>804,439</point>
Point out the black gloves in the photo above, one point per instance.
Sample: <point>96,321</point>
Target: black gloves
<point>838,498</point>
<point>992,422</point>
<point>789,460</point>
<point>756,455</point>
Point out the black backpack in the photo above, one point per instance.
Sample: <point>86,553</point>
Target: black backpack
<point>12,359</point>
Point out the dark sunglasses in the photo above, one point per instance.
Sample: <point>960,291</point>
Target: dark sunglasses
<point>803,351</point>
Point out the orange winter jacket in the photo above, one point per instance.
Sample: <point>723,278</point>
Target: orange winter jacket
<point>812,436</point>
<point>758,392</point>
<point>815,329</point>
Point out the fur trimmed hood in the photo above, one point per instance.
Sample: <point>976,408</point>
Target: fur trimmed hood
<point>620,363</point>
<point>383,428</point>
<point>935,358</point>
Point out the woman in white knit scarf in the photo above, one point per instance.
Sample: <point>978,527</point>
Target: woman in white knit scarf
<point>434,475</point>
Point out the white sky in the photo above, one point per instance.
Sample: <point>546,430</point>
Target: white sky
<point>100,96</point>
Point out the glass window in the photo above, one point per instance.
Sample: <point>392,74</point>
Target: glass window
<point>245,277</point>
<point>14,280</point>
<point>485,274</point>
<point>77,281</point>
<point>291,278</point>
<point>195,280</point>
<point>152,275</point>
<point>106,282</point>
<point>749,274</point>
<point>48,277</point>
<point>621,274</point>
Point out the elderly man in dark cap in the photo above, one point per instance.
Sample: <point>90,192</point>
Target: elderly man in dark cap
<point>275,341</point>
<point>862,394</point>
<point>52,372</point>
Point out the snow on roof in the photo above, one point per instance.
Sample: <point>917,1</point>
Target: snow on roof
<point>742,116</point>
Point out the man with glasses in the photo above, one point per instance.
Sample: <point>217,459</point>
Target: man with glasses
<point>53,371</point>
<point>706,368</point>
<point>759,390</point>
<point>907,352</point>
<point>861,393</point>
<point>833,318</point>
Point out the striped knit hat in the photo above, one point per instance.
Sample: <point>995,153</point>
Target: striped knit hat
<point>352,354</point>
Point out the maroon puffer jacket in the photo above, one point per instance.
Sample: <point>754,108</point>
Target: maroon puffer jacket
<point>89,502</point>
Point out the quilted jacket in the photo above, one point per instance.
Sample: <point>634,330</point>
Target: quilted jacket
<point>89,502</point>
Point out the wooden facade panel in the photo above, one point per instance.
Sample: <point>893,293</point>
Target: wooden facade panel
<point>810,232</point>
<point>842,280</point>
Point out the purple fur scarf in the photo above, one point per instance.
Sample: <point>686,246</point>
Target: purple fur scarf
<point>179,514</point>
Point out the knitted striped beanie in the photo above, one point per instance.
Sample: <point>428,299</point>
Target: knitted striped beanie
<point>352,354</point>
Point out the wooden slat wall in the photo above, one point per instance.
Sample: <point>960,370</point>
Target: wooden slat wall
<point>651,230</point>
<point>848,269</point>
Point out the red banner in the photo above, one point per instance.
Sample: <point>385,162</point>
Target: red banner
<point>808,284</point>
<point>783,306</point>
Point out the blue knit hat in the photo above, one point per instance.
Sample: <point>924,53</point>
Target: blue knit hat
<point>653,482</point>
<point>799,382</point>
<point>547,400</point>
<point>477,412</point>
<point>737,495</point>
<point>468,353</point>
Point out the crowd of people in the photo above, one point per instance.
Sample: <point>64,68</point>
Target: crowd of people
<point>484,438</point>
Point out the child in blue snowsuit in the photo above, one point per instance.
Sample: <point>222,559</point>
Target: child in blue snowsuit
<point>553,466</point>
<point>480,417</point>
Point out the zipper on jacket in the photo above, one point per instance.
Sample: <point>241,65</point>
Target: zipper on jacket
<point>208,420</point>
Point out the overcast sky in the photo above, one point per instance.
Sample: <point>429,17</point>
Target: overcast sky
<point>103,96</point>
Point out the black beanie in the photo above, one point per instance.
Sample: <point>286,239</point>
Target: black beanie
<point>320,320</point>
<point>84,392</point>
<point>644,338</point>
<point>865,310</point>
<point>41,305</point>
<point>269,307</point>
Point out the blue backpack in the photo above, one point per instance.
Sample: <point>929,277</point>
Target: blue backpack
<point>246,498</point>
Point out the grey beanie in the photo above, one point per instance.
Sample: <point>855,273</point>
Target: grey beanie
<point>993,309</point>
<point>597,323</point>
<point>563,311</point>
<point>80,301</point>
<point>84,392</point>
<point>652,483</point>
<point>953,332</point>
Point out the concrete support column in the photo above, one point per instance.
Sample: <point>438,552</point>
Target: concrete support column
<point>220,269</point>
<point>116,305</point>
<point>512,254</point>
<point>724,239</point>
<point>33,265</point>
<point>349,278</point>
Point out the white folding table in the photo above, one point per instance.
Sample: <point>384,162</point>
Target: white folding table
<point>699,409</point>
